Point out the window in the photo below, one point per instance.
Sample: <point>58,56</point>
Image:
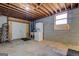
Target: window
<point>61,22</point>
<point>61,19</point>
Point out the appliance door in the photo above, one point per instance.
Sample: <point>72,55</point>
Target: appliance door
<point>39,31</point>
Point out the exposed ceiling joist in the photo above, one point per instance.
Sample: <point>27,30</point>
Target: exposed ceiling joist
<point>57,7</point>
<point>28,12</point>
<point>34,11</point>
<point>71,5</point>
<point>65,6</point>
<point>14,9</point>
<point>46,6</point>
<point>51,6</point>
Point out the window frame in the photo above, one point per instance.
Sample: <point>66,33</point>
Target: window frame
<point>61,18</point>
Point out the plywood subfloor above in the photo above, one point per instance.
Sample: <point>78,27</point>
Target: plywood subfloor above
<point>34,11</point>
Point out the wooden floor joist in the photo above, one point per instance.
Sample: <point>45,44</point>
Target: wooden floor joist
<point>35,10</point>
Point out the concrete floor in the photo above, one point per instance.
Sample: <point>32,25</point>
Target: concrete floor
<point>33,48</point>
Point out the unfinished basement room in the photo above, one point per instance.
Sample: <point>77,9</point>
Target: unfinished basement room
<point>39,29</point>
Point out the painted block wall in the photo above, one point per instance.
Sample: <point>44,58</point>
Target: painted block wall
<point>70,36</point>
<point>3,19</point>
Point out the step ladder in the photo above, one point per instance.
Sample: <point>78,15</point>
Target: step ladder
<point>4,32</point>
<point>0,34</point>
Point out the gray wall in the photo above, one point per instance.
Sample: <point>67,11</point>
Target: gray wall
<point>3,19</point>
<point>70,36</point>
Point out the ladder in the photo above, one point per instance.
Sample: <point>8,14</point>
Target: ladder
<point>4,33</point>
<point>0,34</point>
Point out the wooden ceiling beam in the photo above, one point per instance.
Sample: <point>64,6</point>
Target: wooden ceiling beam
<point>44,9</point>
<point>24,9</point>
<point>10,8</point>
<point>6,8</point>
<point>62,6</point>
<point>68,6</point>
<point>71,5</point>
<point>27,12</point>
<point>40,17</point>
<point>11,13</point>
<point>56,6</point>
<point>38,10</point>
<point>18,12</point>
<point>32,10</point>
<point>78,5</point>
<point>52,7</point>
<point>46,6</point>
<point>35,11</point>
<point>65,6</point>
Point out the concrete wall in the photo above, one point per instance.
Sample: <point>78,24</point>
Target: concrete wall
<point>70,36</point>
<point>3,19</point>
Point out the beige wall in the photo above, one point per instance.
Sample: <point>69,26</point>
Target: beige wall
<point>10,20</point>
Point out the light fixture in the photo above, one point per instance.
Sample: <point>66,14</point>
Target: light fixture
<point>27,8</point>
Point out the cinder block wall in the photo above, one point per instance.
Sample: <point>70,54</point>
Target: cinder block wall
<point>70,36</point>
<point>3,19</point>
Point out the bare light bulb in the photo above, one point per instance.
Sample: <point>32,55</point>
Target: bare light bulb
<point>27,8</point>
